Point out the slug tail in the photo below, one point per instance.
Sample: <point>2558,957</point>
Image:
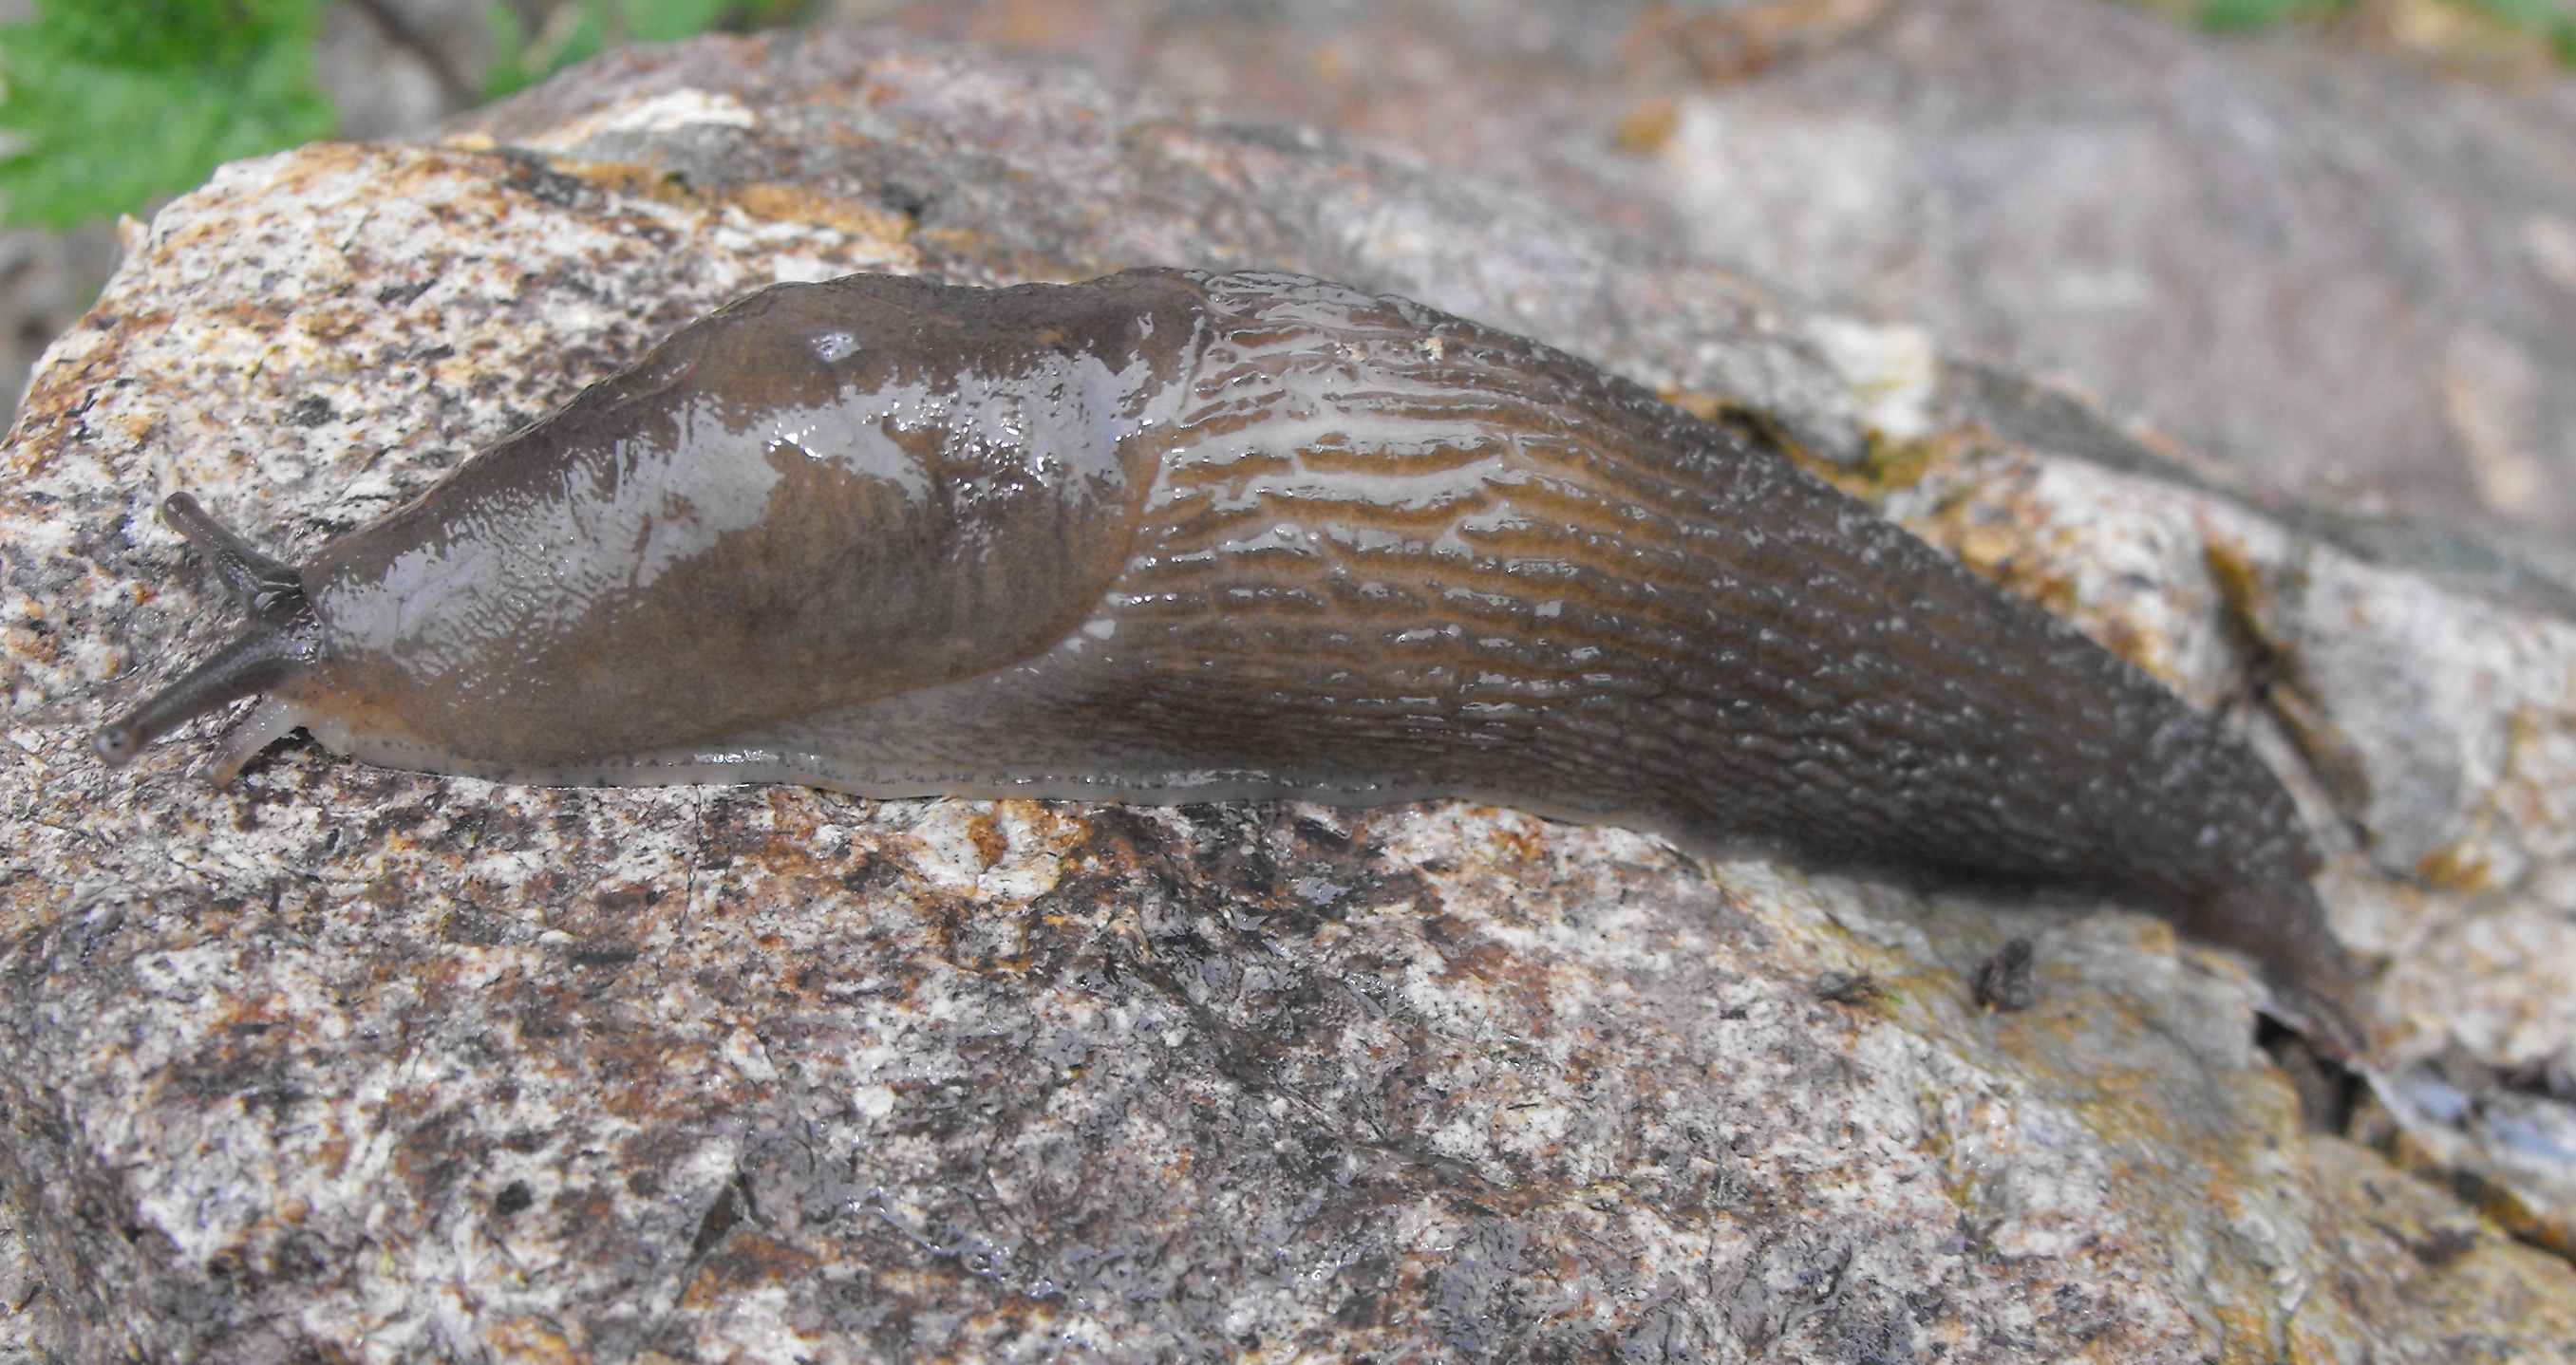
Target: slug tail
<point>2312,983</point>
<point>282,641</point>
<point>2321,999</point>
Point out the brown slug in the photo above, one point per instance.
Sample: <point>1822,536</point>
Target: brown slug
<point>1170,536</point>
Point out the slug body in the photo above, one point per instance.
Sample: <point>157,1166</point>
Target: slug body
<point>1169,536</point>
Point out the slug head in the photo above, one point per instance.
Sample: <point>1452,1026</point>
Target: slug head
<point>281,643</point>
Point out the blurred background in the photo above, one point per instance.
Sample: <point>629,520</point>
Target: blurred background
<point>2325,246</point>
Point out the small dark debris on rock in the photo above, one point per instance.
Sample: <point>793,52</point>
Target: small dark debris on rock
<point>2004,981</point>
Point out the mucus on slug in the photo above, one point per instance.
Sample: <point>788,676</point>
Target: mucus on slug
<point>1170,536</point>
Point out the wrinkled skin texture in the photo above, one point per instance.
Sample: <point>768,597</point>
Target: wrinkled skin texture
<point>1171,536</point>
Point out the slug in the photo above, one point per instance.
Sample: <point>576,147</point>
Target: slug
<point>1173,536</point>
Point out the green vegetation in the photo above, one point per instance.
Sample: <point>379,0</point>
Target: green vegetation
<point>2549,21</point>
<point>110,105</point>
<point>106,105</point>
<point>2547,17</point>
<point>2237,16</point>
<point>596,26</point>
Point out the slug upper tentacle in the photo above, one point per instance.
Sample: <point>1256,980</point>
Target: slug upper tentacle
<point>1176,536</point>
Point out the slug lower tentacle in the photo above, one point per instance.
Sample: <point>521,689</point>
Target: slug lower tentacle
<point>1172,536</point>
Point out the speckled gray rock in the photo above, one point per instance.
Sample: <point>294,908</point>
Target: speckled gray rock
<point>362,1065</point>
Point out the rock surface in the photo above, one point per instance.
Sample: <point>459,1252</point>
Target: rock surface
<point>355,1064</point>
